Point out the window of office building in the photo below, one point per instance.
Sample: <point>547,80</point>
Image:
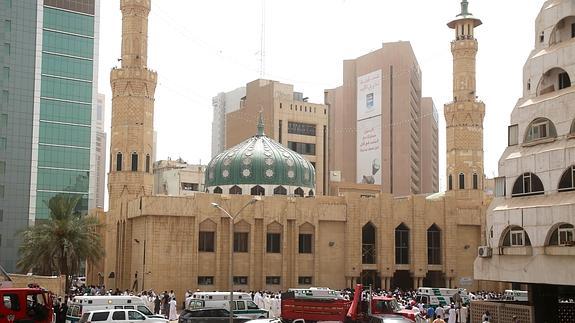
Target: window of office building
<point>527,184</point>
<point>304,280</point>
<point>302,148</point>
<point>298,128</point>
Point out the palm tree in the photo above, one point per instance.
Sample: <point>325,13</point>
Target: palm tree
<point>62,242</point>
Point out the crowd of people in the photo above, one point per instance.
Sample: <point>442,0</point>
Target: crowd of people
<point>165,304</point>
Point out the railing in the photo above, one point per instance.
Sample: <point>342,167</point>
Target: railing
<point>368,254</point>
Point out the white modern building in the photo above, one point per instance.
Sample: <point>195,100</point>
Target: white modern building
<point>177,178</point>
<point>101,139</point>
<point>530,222</point>
<point>224,103</point>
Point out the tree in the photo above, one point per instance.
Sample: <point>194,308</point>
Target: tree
<point>62,242</point>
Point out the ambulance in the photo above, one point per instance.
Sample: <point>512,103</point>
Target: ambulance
<point>435,297</point>
<point>515,295</point>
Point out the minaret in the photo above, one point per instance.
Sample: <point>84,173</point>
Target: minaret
<point>133,87</point>
<point>464,116</point>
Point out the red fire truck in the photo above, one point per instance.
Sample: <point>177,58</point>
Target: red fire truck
<point>24,305</point>
<point>322,304</point>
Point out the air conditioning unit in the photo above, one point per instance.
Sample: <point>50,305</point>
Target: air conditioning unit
<point>484,252</point>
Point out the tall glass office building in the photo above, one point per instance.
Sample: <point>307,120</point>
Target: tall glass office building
<point>47,122</point>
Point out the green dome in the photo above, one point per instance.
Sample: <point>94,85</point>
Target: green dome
<point>260,166</point>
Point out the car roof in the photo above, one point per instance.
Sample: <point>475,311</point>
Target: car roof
<point>392,317</point>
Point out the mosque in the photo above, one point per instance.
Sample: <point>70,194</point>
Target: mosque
<point>284,234</point>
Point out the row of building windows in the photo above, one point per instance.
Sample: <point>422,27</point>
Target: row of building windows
<point>258,190</point>
<point>461,182</point>
<point>530,184</point>
<point>299,128</point>
<point>207,242</point>
<point>302,147</point>
<point>243,280</point>
<point>303,108</point>
<point>516,236</point>
<point>402,245</point>
<point>134,162</point>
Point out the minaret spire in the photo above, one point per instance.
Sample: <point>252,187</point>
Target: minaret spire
<point>464,9</point>
<point>261,124</point>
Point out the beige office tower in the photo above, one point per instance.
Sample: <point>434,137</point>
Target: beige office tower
<point>378,124</point>
<point>289,119</point>
<point>132,132</point>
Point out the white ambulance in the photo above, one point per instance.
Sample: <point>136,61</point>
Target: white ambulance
<point>435,297</point>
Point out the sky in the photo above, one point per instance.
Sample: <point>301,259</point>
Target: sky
<point>203,47</point>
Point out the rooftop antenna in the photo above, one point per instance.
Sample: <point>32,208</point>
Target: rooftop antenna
<point>263,42</point>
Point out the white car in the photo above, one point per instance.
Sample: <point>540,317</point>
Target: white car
<point>118,316</point>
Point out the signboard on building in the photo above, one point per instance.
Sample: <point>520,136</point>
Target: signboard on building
<point>368,157</point>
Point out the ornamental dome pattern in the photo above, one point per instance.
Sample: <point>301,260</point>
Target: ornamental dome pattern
<point>260,161</point>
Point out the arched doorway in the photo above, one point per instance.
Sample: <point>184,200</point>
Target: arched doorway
<point>434,278</point>
<point>370,278</point>
<point>402,279</point>
<point>368,251</point>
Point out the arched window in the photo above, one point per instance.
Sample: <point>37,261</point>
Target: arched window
<point>368,244</point>
<point>567,182</point>
<point>134,162</point>
<point>218,190</point>
<point>562,235</point>
<point>147,163</point>
<point>298,192</point>
<point>236,190</point>
<point>527,184</point>
<point>258,190</point>
<point>515,236</point>
<point>461,181</point>
<point>119,162</point>
<point>563,31</point>
<point>434,245</point>
<point>450,183</point>
<point>553,80</point>
<point>280,190</point>
<point>475,181</point>
<point>310,193</point>
<point>402,245</point>
<point>540,128</point>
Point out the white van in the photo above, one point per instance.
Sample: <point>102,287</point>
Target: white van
<point>243,304</point>
<point>84,304</point>
<point>118,316</point>
<point>434,297</point>
<point>515,295</point>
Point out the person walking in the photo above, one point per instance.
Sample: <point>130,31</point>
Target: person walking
<point>166,304</point>
<point>430,314</point>
<point>157,304</point>
<point>452,315</point>
<point>173,310</point>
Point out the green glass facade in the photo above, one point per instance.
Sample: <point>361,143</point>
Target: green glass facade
<point>47,74</point>
<point>65,106</point>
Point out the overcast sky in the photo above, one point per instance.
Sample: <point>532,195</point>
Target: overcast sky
<point>202,47</point>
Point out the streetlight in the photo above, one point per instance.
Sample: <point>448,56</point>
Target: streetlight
<point>231,262</point>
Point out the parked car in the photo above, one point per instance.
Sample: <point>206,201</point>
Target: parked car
<point>209,315</point>
<point>118,316</point>
<point>388,318</point>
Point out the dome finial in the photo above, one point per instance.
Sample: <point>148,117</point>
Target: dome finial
<point>464,8</point>
<point>261,123</point>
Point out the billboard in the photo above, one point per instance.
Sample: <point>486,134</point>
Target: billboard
<point>369,95</point>
<point>369,151</point>
<point>368,136</point>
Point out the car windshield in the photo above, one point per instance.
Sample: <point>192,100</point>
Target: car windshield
<point>145,310</point>
<point>252,305</point>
